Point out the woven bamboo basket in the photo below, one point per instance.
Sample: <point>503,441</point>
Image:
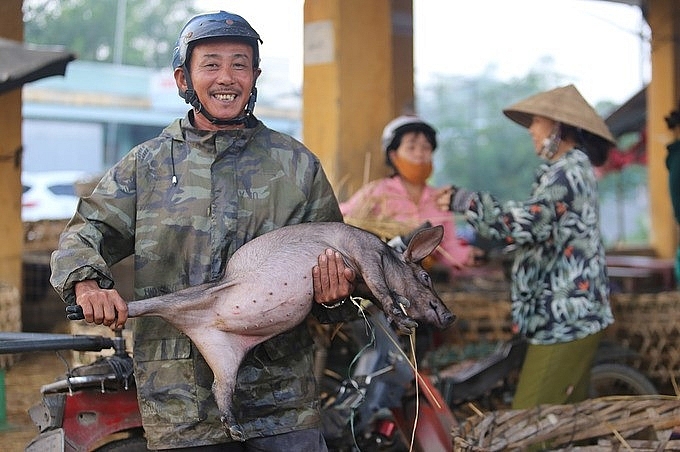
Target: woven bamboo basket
<point>649,323</point>
<point>10,317</point>
<point>481,317</point>
<point>609,423</point>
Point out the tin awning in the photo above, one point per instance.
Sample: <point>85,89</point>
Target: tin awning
<point>22,63</point>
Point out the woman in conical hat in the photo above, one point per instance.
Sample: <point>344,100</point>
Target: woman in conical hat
<point>560,295</point>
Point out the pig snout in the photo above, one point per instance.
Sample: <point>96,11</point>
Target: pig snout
<point>434,312</point>
<point>445,317</point>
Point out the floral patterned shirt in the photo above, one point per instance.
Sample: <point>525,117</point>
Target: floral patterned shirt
<point>560,289</point>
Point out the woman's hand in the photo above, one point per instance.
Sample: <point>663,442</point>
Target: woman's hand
<point>453,198</point>
<point>477,257</point>
<point>444,196</point>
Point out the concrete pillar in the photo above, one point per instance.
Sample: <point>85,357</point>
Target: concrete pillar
<point>663,95</point>
<point>358,75</point>
<point>11,231</point>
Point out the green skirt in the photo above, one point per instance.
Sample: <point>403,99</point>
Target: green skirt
<point>556,374</point>
<point>677,267</point>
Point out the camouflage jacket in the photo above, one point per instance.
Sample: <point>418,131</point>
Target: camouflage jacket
<point>231,186</point>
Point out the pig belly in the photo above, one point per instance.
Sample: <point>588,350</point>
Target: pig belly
<point>259,309</point>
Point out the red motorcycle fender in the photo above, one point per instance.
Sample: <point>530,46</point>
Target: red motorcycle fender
<point>90,416</point>
<point>435,420</point>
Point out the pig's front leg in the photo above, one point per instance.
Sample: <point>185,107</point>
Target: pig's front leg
<point>390,302</point>
<point>404,324</point>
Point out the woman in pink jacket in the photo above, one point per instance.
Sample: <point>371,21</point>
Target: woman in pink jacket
<point>405,198</point>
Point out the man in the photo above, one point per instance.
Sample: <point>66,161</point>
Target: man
<point>182,204</point>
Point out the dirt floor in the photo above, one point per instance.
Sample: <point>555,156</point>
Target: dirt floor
<point>42,312</point>
<point>23,380</point>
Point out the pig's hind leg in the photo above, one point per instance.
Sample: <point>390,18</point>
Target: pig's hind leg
<point>223,352</point>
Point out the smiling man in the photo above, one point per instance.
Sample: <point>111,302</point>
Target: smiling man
<point>182,204</point>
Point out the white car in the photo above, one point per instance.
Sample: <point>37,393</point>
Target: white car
<point>49,195</point>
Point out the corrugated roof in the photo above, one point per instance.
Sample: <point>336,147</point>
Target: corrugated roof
<point>631,116</point>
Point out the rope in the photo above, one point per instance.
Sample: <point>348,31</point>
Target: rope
<point>370,330</point>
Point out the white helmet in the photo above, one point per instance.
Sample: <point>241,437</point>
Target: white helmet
<point>397,127</point>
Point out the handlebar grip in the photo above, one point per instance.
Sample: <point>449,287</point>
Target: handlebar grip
<point>74,312</point>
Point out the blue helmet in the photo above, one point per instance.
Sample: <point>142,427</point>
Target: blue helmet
<point>220,24</point>
<point>214,25</point>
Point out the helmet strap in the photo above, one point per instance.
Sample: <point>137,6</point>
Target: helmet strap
<point>191,98</point>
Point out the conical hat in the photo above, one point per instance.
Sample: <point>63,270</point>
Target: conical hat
<point>565,105</point>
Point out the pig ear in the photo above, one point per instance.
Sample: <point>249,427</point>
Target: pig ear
<point>423,243</point>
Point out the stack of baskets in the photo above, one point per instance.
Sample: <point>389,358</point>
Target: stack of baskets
<point>649,323</point>
<point>646,323</point>
<point>10,316</point>
<point>481,317</point>
<point>623,423</point>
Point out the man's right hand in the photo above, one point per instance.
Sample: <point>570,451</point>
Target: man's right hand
<point>101,306</point>
<point>332,280</point>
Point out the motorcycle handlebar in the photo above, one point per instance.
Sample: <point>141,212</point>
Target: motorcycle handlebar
<point>33,342</point>
<point>74,312</point>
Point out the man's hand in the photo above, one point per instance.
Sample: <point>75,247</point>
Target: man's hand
<point>333,281</point>
<point>101,306</point>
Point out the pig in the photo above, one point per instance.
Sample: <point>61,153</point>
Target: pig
<point>267,288</point>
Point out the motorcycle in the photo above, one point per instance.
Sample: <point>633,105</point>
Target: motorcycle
<point>385,402</point>
<point>488,382</point>
<point>93,407</point>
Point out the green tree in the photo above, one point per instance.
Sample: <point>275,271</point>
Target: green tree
<point>89,28</point>
<point>478,147</point>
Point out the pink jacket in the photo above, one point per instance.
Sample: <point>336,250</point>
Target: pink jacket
<point>387,199</point>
